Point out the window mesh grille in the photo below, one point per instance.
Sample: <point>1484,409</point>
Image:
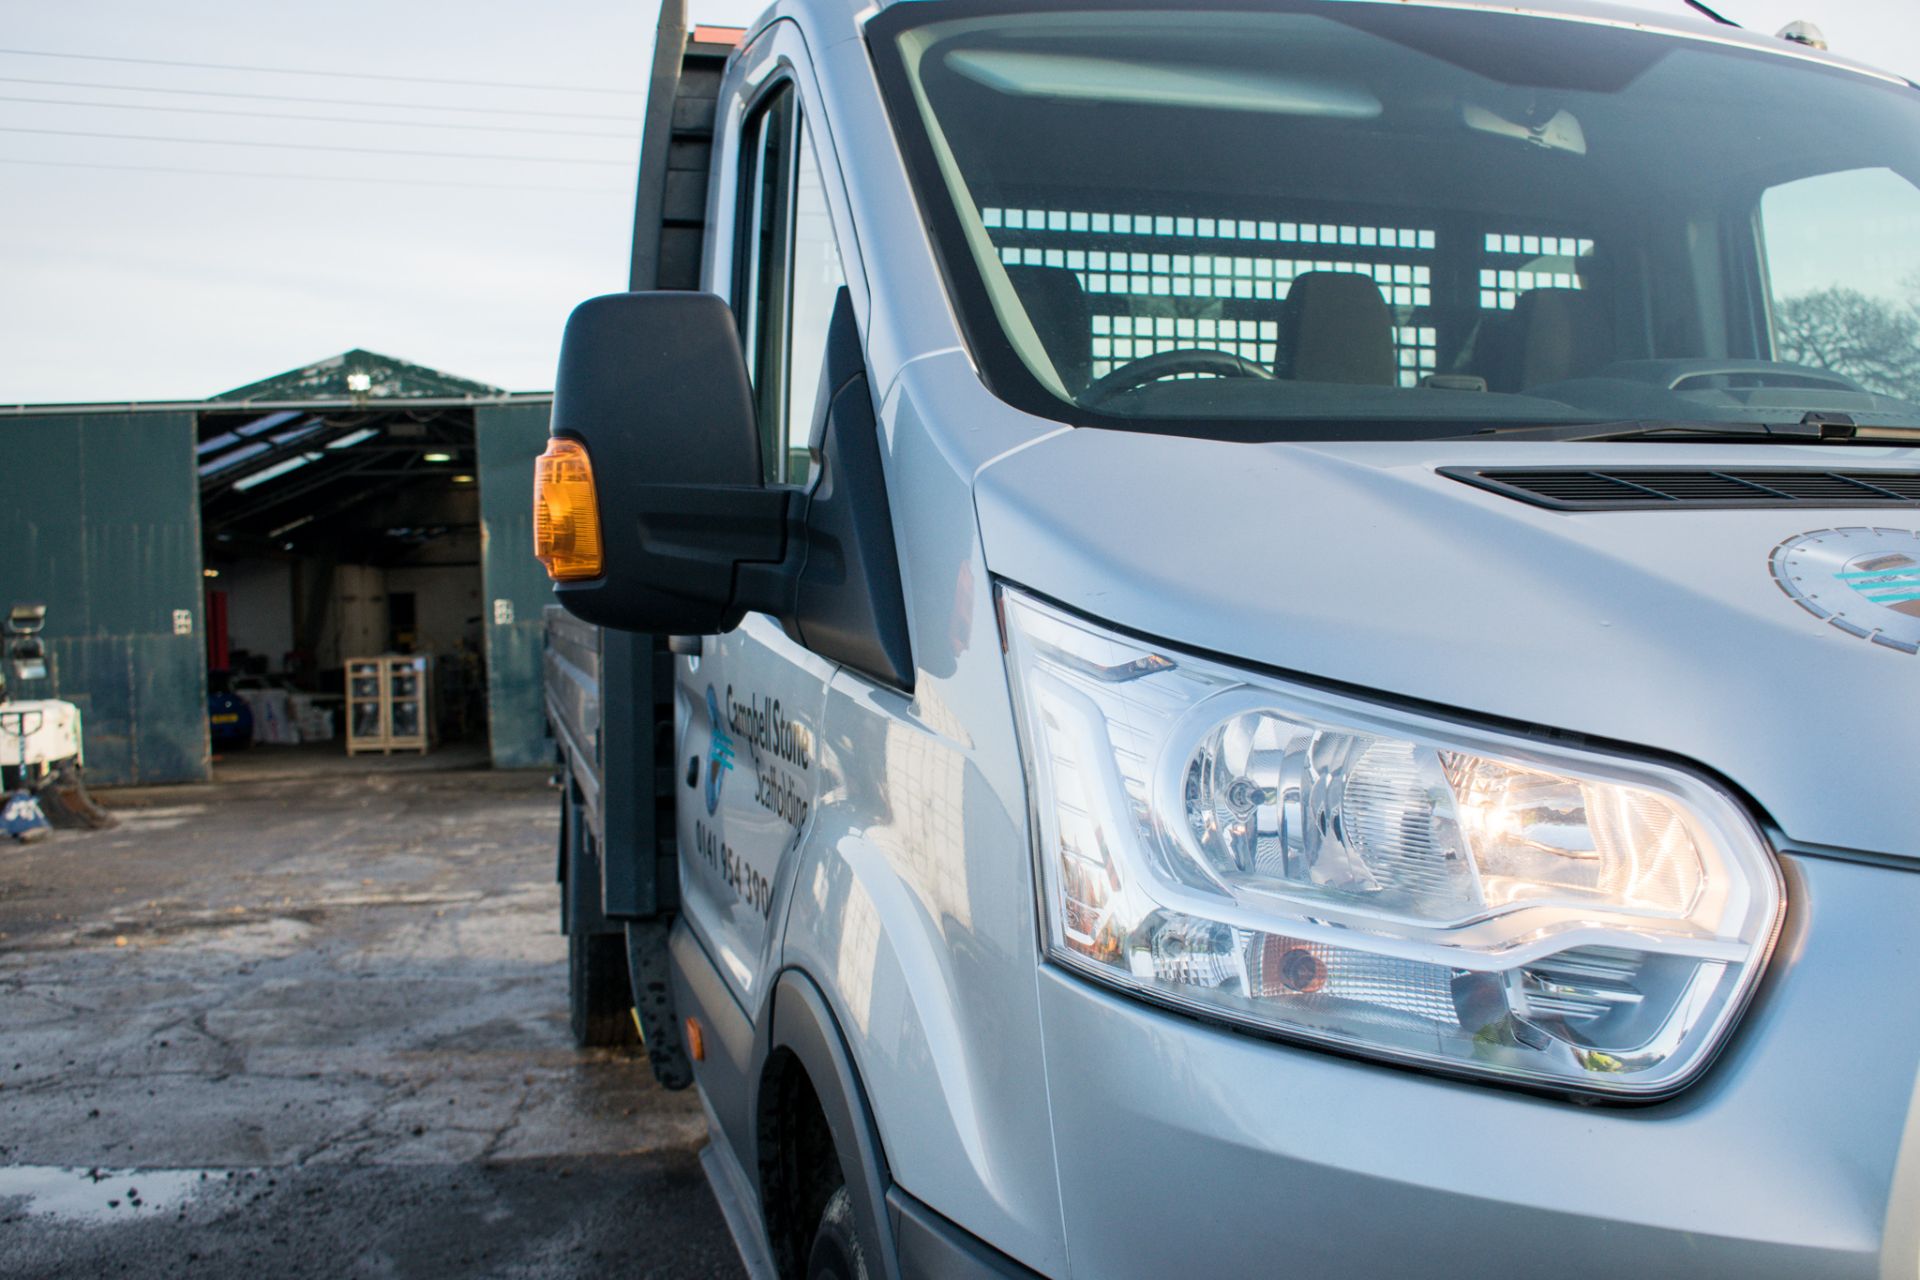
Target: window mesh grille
<point>1518,263</point>
<point>1161,282</point>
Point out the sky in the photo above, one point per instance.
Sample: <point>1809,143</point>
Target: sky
<point>449,224</point>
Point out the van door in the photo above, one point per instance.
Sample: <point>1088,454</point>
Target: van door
<point>749,706</point>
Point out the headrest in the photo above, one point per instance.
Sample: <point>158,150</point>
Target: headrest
<point>1335,327</point>
<point>1062,316</point>
<point>1563,333</point>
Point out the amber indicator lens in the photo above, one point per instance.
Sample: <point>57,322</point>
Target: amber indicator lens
<point>696,1041</point>
<point>566,513</point>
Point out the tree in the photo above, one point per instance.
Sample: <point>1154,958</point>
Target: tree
<point>1874,341</point>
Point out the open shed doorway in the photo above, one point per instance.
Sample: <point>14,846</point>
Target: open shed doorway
<point>333,534</point>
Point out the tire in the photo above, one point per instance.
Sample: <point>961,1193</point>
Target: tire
<point>599,997</point>
<point>599,992</point>
<point>837,1253</point>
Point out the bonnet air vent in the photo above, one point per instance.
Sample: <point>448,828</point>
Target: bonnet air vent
<point>1663,488</point>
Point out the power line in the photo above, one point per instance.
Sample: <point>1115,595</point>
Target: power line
<point>308,177</point>
<point>307,71</point>
<point>307,146</point>
<point>330,102</point>
<point>292,115</point>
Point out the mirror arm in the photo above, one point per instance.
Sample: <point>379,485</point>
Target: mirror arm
<point>771,586</point>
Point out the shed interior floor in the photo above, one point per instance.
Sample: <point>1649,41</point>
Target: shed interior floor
<point>321,760</point>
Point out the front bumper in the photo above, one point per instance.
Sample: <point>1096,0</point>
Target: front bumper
<point>1185,1146</point>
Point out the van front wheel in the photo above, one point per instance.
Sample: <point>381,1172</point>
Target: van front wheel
<point>836,1252</point>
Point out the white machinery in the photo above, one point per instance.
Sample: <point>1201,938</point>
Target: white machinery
<point>36,734</point>
<point>41,744</point>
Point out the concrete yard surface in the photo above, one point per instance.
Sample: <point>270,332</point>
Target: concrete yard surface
<point>316,1026</point>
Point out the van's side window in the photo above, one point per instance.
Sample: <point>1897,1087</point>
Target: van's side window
<point>760,280</point>
<point>1843,271</point>
<point>788,271</point>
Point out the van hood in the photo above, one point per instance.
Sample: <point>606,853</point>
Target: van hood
<point>1360,563</point>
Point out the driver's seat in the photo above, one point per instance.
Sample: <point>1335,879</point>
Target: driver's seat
<point>1062,316</point>
<point>1563,333</point>
<point>1335,327</point>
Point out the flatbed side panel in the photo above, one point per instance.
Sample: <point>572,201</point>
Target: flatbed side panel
<point>571,668</point>
<point>631,883</point>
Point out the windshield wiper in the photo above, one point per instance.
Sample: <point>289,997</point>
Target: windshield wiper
<point>1814,428</point>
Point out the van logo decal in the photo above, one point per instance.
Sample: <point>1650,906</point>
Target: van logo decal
<point>719,753</point>
<point>1865,581</point>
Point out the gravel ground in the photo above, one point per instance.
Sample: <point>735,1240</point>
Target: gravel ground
<point>317,1026</point>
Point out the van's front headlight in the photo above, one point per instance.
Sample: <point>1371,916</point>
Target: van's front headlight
<point>1390,884</point>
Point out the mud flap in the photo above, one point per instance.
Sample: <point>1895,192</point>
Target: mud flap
<point>650,968</point>
<point>597,993</point>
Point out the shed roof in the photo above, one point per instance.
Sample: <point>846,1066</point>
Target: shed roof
<point>352,380</point>
<point>356,375</point>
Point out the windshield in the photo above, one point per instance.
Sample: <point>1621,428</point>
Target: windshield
<point>1323,220</point>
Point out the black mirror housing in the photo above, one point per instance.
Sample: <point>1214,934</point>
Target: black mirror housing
<point>654,387</point>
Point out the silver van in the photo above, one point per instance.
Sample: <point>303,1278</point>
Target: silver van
<point>1258,637</point>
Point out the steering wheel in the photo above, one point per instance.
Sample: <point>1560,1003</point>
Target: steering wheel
<point>1165,364</point>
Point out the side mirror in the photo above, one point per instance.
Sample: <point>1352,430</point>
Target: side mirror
<point>649,508</point>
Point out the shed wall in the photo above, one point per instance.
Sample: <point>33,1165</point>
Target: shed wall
<point>101,523</point>
<point>508,438</point>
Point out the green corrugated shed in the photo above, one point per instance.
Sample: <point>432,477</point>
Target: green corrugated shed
<point>101,523</point>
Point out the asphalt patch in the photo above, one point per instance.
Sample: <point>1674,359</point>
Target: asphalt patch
<point>317,1027</point>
